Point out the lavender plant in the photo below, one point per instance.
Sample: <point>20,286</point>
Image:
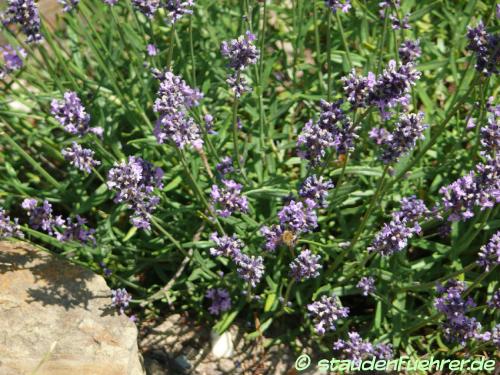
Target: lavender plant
<point>352,166</point>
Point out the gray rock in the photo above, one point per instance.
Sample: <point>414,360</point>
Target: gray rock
<point>56,319</point>
<point>226,365</point>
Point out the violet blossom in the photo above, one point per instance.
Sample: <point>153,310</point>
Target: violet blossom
<point>24,13</point>
<point>489,254</point>
<point>228,199</point>
<point>79,157</point>
<point>326,312</point>
<point>221,301</point>
<point>316,188</point>
<point>120,299</point>
<point>9,228</point>
<point>367,285</point>
<point>13,59</point>
<point>305,266</point>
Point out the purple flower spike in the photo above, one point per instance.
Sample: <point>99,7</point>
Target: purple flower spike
<point>120,299</point>
<point>173,100</point>
<point>8,228</point>
<point>398,24</point>
<point>146,7</point>
<point>13,59</point>
<point>342,5</point>
<point>408,130</point>
<point>367,285</point>
<point>494,302</point>
<point>71,114</point>
<point>486,47</point>
<point>316,189</point>
<point>299,217</point>
<point>226,246</point>
<point>69,5</point>
<point>228,199</point>
<point>357,88</point>
<point>134,182</point>
<point>151,50</point>
<point>305,266</point>
<point>178,8</point>
<point>326,312</point>
<point>250,269</point>
<point>489,255</point>
<point>225,166</point>
<point>273,236</point>
<point>221,301</point>
<point>81,158</point>
<point>404,225</point>
<point>241,52</point>
<point>25,14</point>
<point>457,326</point>
<point>409,51</point>
<point>356,349</point>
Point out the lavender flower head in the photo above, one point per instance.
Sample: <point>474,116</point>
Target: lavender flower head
<point>146,7</point>
<point>77,230</point>
<point>221,301</point>
<point>457,326</point>
<point>332,130</point>
<point>226,246</point>
<point>228,199</point>
<point>460,197</point>
<point>8,228</point>
<point>178,8</point>
<point>398,24</point>
<point>151,50</point>
<point>355,348</point>
<point>367,285</point>
<point>299,217</point>
<point>334,5</point>
<point>326,312</point>
<point>241,53</point>
<point>42,217</point>
<point>316,189</point>
<point>494,302</point>
<point>305,266</point>
<point>250,268</point>
<point>173,100</point>
<point>489,255</point>
<point>486,47</point>
<point>71,114</point>
<point>134,182</point>
<point>490,135</point>
<point>273,236</point>
<point>225,166</point>
<point>25,14</point>
<point>120,299</point>
<point>69,5</point>
<point>393,237</point>
<point>81,158</point>
<point>409,51</point>
<point>13,59</point>
<point>399,142</point>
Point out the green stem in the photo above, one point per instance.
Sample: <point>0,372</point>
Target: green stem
<point>171,47</point>
<point>328,56</point>
<point>344,40</point>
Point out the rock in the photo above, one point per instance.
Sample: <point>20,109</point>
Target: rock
<point>222,345</point>
<point>56,319</point>
<point>226,365</point>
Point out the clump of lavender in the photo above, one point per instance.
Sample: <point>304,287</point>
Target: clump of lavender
<point>333,130</point>
<point>489,255</point>
<point>146,7</point>
<point>228,199</point>
<point>457,326</point>
<point>404,225</point>
<point>486,46</point>
<point>25,14</point>
<point>241,53</point>
<point>69,5</point>
<point>326,312</point>
<point>71,114</point>
<point>299,217</point>
<point>221,301</point>
<point>334,5</point>
<point>226,246</point>
<point>403,138</point>
<point>173,100</point>
<point>316,188</point>
<point>178,8</point>
<point>134,182</point>
<point>367,285</point>
<point>13,59</point>
<point>81,158</point>
<point>305,266</point>
<point>250,268</point>
<point>356,349</point>
<point>120,299</point>
<point>409,51</point>
<point>77,230</point>
<point>42,217</point>
<point>9,228</point>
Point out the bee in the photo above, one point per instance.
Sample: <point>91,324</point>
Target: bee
<point>288,238</point>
